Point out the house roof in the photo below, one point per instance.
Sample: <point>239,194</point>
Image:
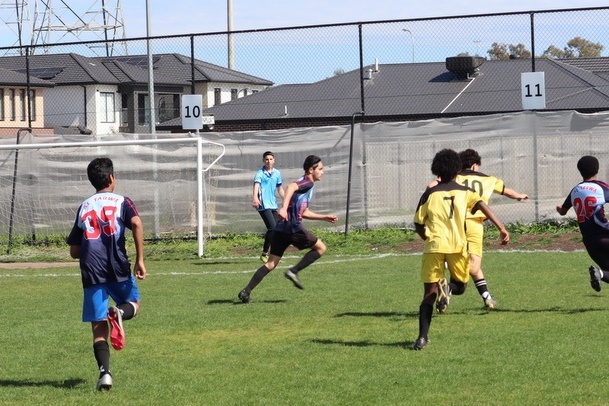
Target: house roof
<point>12,78</point>
<point>169,69</point>
<point>428,89</point>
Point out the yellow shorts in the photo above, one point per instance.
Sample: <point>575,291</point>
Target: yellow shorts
<point>432,268</point>
<point>475,235</point>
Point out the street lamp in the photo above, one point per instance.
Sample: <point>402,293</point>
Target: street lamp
<point>411,41</point>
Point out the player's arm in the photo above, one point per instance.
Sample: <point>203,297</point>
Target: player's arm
<point>289,192</point>
<point>255,200</point>
<point>310,215</point>
<point>512,194</point>
<point>420,230</point>
<point>505,235</point>
<point>564,207</point>
<point>75,251</point>
<point>137,229</point>
<point>281,192</point>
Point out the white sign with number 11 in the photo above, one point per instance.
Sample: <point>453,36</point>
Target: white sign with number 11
<point>533,88</point>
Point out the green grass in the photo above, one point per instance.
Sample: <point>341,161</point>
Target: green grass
<point>344,340</point>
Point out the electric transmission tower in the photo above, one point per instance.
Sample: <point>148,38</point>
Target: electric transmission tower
<point>16,16</point>
<point>57,21</point>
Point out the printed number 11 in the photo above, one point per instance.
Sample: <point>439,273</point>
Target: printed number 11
<point>528,94</point>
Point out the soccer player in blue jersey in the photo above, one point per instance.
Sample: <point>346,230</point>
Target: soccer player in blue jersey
<point>290,231</point>
<point>588,199</point>
<point>98,240</point>
<point>267,182</point>
<point>440,221</point>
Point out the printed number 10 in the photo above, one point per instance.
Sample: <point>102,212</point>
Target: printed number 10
<point>528,93</point>
<point>196,111</point>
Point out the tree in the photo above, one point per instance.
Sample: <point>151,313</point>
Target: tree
<point>501,51</point>
<point>577,47</point>
<point>338,71</point>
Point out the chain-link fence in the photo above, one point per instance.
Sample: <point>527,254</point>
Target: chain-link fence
<point>104,87</point>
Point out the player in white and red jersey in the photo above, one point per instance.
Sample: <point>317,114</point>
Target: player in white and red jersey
<point>588,199</point>
<point>98,240</point>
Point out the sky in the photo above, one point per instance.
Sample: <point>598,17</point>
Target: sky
<point>198,16</point>
<point>303,56</point>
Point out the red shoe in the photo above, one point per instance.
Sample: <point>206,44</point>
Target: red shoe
<point>117,334</point>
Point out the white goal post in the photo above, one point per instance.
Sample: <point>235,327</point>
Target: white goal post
<point>43,180</point>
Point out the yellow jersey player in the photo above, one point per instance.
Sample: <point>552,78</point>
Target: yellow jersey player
<point>440,221</point>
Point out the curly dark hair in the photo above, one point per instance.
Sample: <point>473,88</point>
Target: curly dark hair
<point>99,171</point>
<point>469,157</point>
<point>446,164</point>
<point>587,166</point>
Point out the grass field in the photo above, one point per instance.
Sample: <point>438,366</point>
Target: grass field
<point>344,340</point>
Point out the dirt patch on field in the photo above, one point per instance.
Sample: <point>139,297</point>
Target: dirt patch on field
<point>36,265</point>
<point>529,242</point>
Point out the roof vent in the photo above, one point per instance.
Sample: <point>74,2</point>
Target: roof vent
<point>464,67</point>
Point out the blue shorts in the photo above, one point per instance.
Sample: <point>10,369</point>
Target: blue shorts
<point>95,302</point>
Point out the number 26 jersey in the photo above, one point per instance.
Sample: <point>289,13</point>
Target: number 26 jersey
<point>588,199</point>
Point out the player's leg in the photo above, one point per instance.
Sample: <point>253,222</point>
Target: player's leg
<point>270,221</point>
<point>126,295</point>
<point>432,272</point>
<point>598,249</point>
<point>279,243</point>
<point>475,238</point>
<point>94,311</point>
<point>304,239</point>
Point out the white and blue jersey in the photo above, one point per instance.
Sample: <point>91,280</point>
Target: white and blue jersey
<point>298,204</point>
<point>269,182</point>
<point>588,199</point>
<point>99,230</point>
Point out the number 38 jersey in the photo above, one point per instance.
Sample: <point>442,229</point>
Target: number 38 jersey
<point>99,230</point>
<point>588,199</point>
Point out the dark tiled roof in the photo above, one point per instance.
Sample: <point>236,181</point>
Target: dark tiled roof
<point>427,89</point>
<point>169,69</point>
<point>13,78</point>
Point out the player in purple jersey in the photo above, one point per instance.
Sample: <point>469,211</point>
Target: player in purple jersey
<point>98,240</point>
<point>290,231</point>
<point>588,199</point>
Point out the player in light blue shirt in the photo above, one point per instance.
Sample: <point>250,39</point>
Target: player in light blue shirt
<point>267,183</point>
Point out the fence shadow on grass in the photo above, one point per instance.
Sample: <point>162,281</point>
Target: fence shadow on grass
<point>359,343</point>
<point>65,384</point>
<point>378,314</point>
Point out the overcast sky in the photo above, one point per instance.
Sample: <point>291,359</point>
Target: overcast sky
<point>197,16</point>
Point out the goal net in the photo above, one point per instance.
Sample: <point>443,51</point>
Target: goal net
<point>43,180</point>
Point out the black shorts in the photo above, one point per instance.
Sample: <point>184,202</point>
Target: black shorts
<point>302,239</point>
<point>598,249</point>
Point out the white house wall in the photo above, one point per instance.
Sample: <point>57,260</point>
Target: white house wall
<point>64,106</point>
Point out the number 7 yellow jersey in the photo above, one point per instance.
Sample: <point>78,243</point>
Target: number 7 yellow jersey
<point>442,210</point>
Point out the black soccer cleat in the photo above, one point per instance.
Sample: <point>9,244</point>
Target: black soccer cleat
<point>244,296</point>
<point>294,278</point>
<point>420,344</point>
<point>595,278</point>
<point>443,298</point>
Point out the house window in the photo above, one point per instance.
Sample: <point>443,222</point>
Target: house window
<point>234,93</point>
<point>11,105</point>
<point>1,104</point>
<point>107,107</point>
<point>217,96</point>
<point>169,107</point>
<point>33,104</point>
<point>143,109</point>
<point>22,105</point>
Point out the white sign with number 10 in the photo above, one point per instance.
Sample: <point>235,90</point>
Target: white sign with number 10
<point>192,106</point>
<point>533,87</point>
